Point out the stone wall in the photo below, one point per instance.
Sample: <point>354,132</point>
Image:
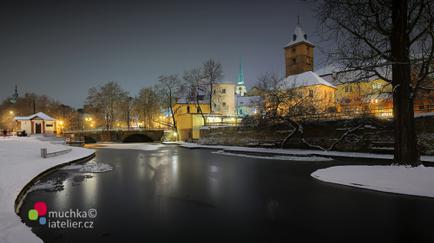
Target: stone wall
<point>369,138</point>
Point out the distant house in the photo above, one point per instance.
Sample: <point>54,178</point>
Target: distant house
<point>39,123</point>
<point>247,105</point>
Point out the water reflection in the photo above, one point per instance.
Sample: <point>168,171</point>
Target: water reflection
<point>166,194</point>
<point>90,187</point>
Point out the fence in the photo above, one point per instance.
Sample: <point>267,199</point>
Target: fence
<point>45,154</point>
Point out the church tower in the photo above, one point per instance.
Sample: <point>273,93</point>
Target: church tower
<point>298,53</point>
<point>241,86</point>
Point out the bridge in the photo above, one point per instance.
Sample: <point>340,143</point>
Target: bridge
<point>122,136</point>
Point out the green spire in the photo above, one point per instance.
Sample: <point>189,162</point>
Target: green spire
<point>241,75</point>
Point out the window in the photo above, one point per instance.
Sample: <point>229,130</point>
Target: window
<point>224,104</point>
<point>348,89</point>
<point>293,60</point>
<point>294,37</point>
<point>293,50</point>
<point>198,109</point>
<point>376,86</point>
<point>223,91</point>
<point>421,107</point>
<point>310,93</point>
<point>188,109</point>
<point>49,125</point>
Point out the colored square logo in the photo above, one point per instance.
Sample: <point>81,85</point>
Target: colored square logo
<point>39,210</point>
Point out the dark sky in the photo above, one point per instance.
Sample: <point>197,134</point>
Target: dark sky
<point>62,48</point>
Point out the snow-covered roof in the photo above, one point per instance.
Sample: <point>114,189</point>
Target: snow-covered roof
<point>187,101</point>
<point>298,37</point>
<point>41,115</point>
<point>308,78</point>
<point>247,100</point>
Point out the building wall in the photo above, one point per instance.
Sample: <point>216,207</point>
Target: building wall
<point>189,120</point>
<point>362,97</point>
<point>47,127</point>
<point>320,97</point>
<point>25,125</point>
<point>298,59</point>
<point>223,99</point>
<point>241,90</point>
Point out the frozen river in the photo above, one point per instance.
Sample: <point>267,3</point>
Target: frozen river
<point>177,194</point>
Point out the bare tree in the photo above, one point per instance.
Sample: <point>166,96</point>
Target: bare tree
<point>147,106</point>
<point>391,40</point>
<point>196,88</point>
<point>168,88</point>
<point>212,72</point>
<point>106,102</point>
<point>30,102</point>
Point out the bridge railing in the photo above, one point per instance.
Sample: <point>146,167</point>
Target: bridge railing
<point>114,130</point>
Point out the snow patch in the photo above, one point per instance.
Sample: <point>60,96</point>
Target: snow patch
<point>298,152</point>
<point>134,146</point>
<point>416,181</point>
<point>276,157</point>
<point>20,162</point>
<point>50,185</point>
<point>95,167</point>
<point>427,114</point>
<point>91,167</point>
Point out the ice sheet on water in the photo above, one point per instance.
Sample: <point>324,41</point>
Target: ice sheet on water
<point>94,167</point>
<point>90,167</point>
<point>312,158</point>
<point>50,185</point>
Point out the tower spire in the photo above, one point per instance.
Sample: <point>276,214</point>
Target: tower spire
<point>241,74</point>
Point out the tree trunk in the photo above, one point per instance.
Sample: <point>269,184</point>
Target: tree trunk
<point>405,152</point>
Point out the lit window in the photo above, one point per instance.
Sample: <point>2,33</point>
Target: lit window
<point>310,93</point>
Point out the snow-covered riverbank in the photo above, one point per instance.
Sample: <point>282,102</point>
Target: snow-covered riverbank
<point>20,162</point>
<point>297,152</point>
<point>416,181</point>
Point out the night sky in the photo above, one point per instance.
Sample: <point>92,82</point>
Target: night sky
<point>62,48</point>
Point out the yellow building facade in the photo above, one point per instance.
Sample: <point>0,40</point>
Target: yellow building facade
<point>189,119</point>
<point>224,99</point>
<point>371,97</point>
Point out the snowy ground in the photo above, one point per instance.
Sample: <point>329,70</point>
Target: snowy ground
<point>20,162</point>
<point>417,181</point>
<point>298,152</point>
